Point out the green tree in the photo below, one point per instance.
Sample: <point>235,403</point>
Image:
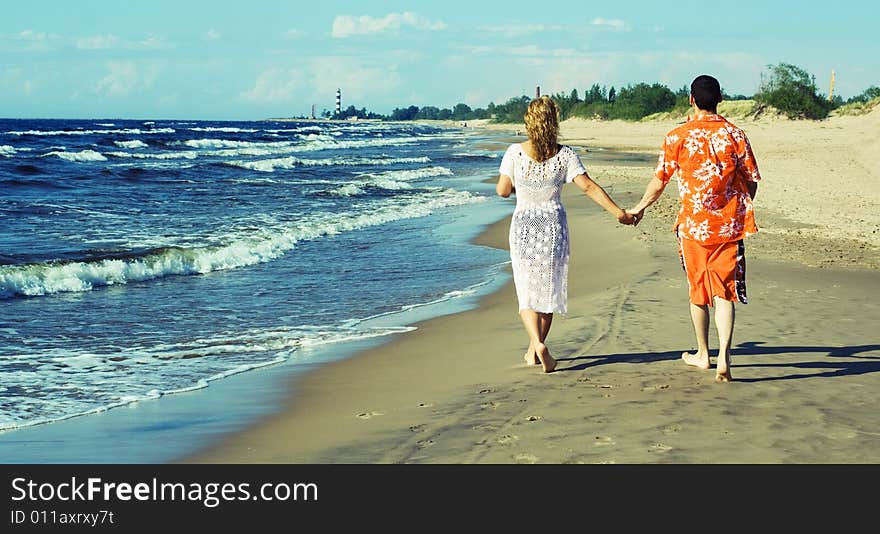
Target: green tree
<point>793,91</point>
<point>461,112</point>
<point>869,94</point>
<point>637,101</point>
<point>513,110</point>
<point>404,114</point>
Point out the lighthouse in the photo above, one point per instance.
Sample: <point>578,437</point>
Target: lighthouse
<point>338,102</point>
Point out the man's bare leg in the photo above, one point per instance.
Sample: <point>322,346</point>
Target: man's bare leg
<point>700,318</point>
<point>532,321</point>
<point>725,314</point>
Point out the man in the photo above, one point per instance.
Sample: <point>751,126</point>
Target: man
<point>717,181</point>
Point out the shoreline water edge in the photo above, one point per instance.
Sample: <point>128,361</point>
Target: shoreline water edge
<point>167,426</point>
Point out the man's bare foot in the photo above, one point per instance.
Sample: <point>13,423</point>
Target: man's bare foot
<point>723,376</point>
<point>696,360</point>
<point>531,358</point>
<point>722,368</point>
<point>546,360</point>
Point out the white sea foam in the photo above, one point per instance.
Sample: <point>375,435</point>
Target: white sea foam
<point>46,279</point>
<point>136,143</point>
<point>226,129</point>
<point>101,378</point>
<point>347,190</point>
<point>183,154</point>
<point>229,143</point>
<point>83,155</point>
<point>124,131</point>
<point>7,150</point>
<point>409,174</point>
<point>269,165</point>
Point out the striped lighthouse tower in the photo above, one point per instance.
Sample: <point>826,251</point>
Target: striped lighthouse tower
<point>338,101</point>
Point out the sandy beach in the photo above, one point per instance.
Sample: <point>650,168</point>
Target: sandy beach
<point>806,358</point>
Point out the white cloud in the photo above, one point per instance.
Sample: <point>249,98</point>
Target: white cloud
<point>13,79</point>
<point>30,35</point>
<point>615,24</point>
<point>358,80</point>
<point>151,41</point>
<point>293,33</point>
<point>316,80</point>
<point>125,77</point>
<point>520,30</point>
<point>274,85</point>
<point>97,42</point>
<point>212,35</point>
<point>347,25</point>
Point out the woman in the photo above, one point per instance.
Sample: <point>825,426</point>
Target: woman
<point>536,170</point>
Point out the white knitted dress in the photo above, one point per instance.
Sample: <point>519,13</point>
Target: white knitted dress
<point>539,246</point>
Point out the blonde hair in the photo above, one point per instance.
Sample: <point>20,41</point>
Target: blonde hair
<point>542,127</point>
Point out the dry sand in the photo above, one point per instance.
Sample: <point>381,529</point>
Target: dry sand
<point>806,359</point>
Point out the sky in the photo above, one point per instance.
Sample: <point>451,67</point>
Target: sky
<point>242,60</point>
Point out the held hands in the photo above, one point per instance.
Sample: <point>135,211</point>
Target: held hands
<point>637,215</point>
<point>630,217</point>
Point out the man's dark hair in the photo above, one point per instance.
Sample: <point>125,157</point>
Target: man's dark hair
<point>706,92</point>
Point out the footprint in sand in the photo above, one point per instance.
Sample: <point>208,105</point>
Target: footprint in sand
<point>507,439</point>
<point>367,415</point>
<point>490,404</point>
<point>534,418</point>
<point>426,404</point>
<point>424,443</point>
<point>671,429</point>
<point>525,458</point>
<point>418,428</point>
<point>486,390</point>
<point>485,427</point>
<point>655,387</point>
<point>603,441</point>
<point>659,447</point>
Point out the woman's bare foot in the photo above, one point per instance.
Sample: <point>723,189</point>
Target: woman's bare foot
<point>546,360</point>
<point>697,360</point>
<point>531,358</point>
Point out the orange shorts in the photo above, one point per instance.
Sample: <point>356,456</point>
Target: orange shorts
<point>717,270</point>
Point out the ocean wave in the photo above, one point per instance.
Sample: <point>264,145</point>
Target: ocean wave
<point>100,386</point>
<point>347,190</point>
<point>183,154</point>
<point>76,276</point>
<point>124,131</point>
<point>225,129</point>
<point>83,155</point>
<point>269,165</point>
<point>230,143</point>
<point>409,174</point>
<point>136,143</point>
<point>7,150</point>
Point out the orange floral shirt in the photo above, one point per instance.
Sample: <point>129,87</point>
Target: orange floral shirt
<point>714,160</point>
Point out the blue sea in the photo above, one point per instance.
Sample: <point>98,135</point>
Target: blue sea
<point>139,259</point>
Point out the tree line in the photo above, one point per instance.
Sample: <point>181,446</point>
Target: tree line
<point>786,87</point>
